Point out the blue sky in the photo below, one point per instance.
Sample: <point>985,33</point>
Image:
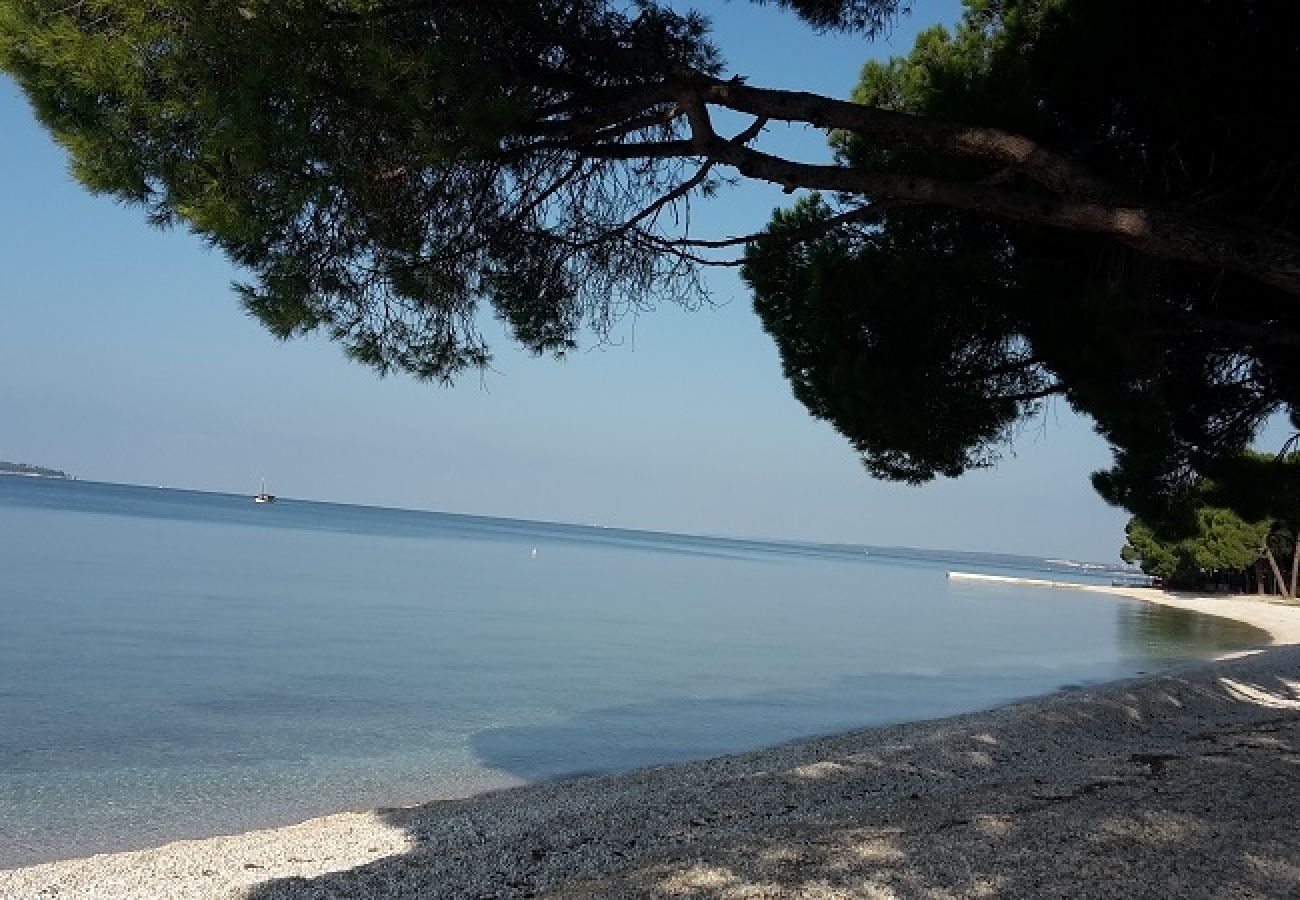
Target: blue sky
<point>125,357</point>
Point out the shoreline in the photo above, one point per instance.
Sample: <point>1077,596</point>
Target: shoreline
<point>1279,619</point>
<point>828,817</point>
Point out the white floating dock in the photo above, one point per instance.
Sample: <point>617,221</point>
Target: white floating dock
<point>1008,579</point>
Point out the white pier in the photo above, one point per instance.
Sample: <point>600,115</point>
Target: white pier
<point>1008,579</point>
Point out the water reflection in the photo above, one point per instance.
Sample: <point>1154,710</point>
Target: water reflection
<point>1165,634</point>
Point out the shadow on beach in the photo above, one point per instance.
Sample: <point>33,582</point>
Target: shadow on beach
<point>1180,785</point>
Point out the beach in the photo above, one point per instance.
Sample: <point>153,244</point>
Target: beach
<point>1178,785</point>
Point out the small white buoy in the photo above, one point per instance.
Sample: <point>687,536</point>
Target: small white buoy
<point>534,553</point>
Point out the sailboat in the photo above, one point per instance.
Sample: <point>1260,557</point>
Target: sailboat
<point>262,496</point>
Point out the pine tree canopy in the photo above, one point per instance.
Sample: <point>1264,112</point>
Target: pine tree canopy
<point>1086,199</point>
<point>1221,545</point>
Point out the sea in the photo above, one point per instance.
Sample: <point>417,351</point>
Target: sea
<point>178,664</point>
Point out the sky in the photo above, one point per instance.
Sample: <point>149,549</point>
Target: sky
<point>125,357</point>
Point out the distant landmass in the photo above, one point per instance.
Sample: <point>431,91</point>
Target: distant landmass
<point>9,468</point>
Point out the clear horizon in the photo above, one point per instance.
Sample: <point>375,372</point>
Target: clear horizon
<point>726,536</point>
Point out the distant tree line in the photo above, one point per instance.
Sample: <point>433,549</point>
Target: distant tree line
<point>1224,552</point>
<point>9,468</point>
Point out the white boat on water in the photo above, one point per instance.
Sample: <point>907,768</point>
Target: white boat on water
<point>262,496</point>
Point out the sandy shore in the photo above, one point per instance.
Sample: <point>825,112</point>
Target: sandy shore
<point>1183,785</point>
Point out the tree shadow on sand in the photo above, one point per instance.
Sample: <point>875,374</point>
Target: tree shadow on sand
<point>1183,785</point>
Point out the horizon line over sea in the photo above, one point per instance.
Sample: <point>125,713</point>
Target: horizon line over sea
<point>1094,567</point>
<point>183,663</point>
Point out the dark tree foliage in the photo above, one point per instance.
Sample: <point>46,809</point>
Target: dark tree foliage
<point>867,16</point>
<point>1083,198</point>
<point>927,335</point>
<point>1222,545</point>
<point>380,167</point>
<point>928,379</point>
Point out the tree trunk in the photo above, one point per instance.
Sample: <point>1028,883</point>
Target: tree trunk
<point>1074,198</point>
<point>1277,573</point>
<point>1295,565</point>
<point>1273,259</point>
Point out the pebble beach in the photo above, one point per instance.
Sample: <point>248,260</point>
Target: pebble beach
<point>1178,785</point>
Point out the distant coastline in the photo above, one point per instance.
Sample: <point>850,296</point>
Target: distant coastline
<point>11,468</point>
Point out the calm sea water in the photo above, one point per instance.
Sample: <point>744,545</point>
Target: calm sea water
<point>181,664</point>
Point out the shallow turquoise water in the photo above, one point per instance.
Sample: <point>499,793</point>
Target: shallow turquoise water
<point>178,664</point>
